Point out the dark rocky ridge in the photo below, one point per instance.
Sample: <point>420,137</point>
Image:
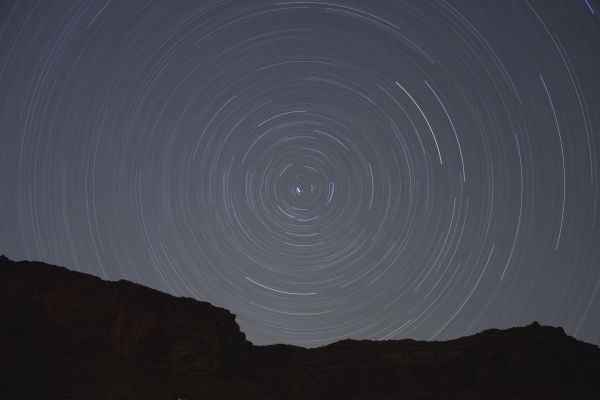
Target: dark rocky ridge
<point>68,335</point>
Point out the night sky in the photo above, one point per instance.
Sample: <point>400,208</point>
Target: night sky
<point>324,170</point>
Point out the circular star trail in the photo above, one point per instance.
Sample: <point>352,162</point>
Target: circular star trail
<point>325,170</point>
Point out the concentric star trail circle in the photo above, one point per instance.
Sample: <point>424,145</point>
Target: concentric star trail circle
<point>336,170</point>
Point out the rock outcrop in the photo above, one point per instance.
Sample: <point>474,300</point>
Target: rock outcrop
<point>68,335</point>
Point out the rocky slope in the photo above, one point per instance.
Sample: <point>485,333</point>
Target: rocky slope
<point>66,335</point>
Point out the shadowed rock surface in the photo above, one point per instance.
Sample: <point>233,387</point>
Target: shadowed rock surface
<point>68,335</point>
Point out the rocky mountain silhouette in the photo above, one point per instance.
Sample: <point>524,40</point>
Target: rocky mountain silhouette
<point>69,335</point>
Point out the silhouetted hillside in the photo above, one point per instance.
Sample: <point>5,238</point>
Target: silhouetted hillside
<point>68,335</point>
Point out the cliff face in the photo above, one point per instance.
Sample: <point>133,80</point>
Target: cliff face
<point>524,363</point>
<point>67,328</point>
<point>70,335</point>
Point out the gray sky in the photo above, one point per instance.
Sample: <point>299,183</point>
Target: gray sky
<point>362,169</point>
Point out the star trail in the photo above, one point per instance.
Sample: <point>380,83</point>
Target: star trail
<point>324,170</point>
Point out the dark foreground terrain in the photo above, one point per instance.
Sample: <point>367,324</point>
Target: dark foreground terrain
<point>68,335</point>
